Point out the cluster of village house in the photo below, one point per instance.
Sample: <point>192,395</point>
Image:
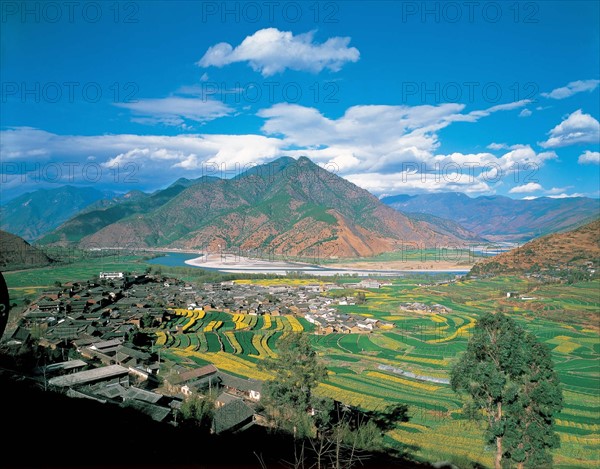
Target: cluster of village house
<point>95,318</point>
<point>235,404</point>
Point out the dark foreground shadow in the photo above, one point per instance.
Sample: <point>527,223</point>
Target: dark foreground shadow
<point>50,430</point>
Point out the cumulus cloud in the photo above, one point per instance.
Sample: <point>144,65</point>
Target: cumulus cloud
<point>589,157</point>
<point>386,149</point>
<point>572,88</point>
<point>155,159</point>
<point>474,116</point>
<point>525,113</point>
<point>381,139</point>
<point>411,182</point>
<point>36,147</point>
<point>576,128</point>
<point>526,188</point>
<point>271,51</point>
<point>362,125</point>
<point>557,190</point>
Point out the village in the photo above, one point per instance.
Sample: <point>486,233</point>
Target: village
<point>100,332</point>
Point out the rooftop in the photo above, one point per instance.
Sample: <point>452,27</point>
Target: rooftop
<point>89,376</point>
<point>197,373</point>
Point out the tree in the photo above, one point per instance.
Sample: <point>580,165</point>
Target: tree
<point>147,320</point>
<point>334,434</point>
<point>510,377</point>
<point>289,397</point>
<point>139,338</point>
<point>346,436</point>
<point>530,427</point>
<point>197,411</point>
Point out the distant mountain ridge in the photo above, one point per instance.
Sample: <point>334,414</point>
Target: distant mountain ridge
<point>106,212</point>
<point>575,250</point>
<point>286,206</point>
<point>33,214</point>
<point>499,218</point>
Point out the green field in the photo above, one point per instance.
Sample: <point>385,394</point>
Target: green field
<point>427,345</point>
<point>215,331</point>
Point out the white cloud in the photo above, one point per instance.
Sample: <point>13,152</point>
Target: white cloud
<point>363,126</point>
<point>174,110</point>
<point>567,196</point>
<point>410,182</point>
<point>557,190</point>
<point>525,113</point>
<point>375,145</point>
<point>13,145</point>
<point>270,51</point>
<point>474,116</point>
<point>382,140</point>
<point>572,88</point>
<point>505,146</point>
<point>156,159</point>
<point>576,128</point>
<point>497,146</point>
<point>379,134</point>
<point>589,157</point>
<point>526,188</point>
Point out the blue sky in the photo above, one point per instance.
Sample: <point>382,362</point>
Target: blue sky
<point>398,97</point>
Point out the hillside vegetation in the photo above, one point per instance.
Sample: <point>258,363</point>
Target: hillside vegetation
<point>572,251</point>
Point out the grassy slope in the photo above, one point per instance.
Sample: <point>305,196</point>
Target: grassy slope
<point>571,249</point>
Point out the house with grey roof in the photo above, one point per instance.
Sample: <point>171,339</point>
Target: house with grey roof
<point>235,415</point>
<point>106,374</point>
<point>247,388</point>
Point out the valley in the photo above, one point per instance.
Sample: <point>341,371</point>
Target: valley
<point>404,358</point>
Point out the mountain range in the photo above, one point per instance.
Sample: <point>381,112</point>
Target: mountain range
<point>287,206</point>
<point>33,214</point>
<point>106,212</point>
<point>499,218</point>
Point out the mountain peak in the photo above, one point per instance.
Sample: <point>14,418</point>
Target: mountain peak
<point>286,206</point>
<point>305,160</point>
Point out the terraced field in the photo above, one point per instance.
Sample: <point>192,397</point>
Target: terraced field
<point>215,331</point>
<point>423,347</point>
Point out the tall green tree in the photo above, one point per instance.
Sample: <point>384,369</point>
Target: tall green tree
<point>289,397</point>
<point>510,377</point>
<point>530,427</point>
